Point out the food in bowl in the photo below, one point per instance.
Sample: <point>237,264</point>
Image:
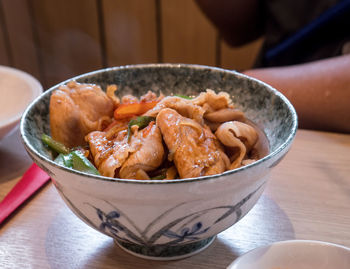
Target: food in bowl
<point>151,137</point>
<point>174,218</point>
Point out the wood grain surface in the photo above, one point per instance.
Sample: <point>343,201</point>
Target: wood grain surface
<point>68,38</point>
<point>130,32</point>
<point>188,37</point>
<point>21,37</point>
<point>307,197</point>
<point>57,40</point>
<point>4,42</point>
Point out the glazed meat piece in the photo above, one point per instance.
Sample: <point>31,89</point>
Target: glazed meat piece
<point>214,108</point>
<point>117,156</point>
<point>239,137</point>
<point>211,101</point>
<point>148,97</point>
<point>218,108</point>
<point>183,106</point>
<point>148,157</point>
<point>109,154</point>
<point>225,114</point>
<point>194,149</point>
<point>77,109</point>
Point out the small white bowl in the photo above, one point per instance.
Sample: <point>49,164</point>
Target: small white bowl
<point>17,90</point>
<point>292,254</point>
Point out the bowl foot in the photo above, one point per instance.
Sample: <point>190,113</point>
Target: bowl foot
<point>164,252</point>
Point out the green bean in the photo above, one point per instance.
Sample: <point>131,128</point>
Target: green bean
<point>183,96</point>
<point>141,122</point>
<point>159,177</point>
<point>72,159</point>
<point>81,163</point>
<point>64,160</point>
<point>55,145</point>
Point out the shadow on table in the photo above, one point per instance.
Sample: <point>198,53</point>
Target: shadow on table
<point>14,160</point>
<point>72,244</point>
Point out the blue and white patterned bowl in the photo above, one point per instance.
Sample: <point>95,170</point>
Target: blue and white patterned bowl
<point>174,218</point>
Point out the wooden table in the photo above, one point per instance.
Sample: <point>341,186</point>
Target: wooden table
<point>307,197</point>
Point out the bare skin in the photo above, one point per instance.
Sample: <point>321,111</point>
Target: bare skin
<point>319,91</point>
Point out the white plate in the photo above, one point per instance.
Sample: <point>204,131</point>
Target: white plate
<point>295,254</point>
<point>17,90</point>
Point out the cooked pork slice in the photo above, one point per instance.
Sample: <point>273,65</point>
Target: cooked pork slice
<point>129,99</point>
<point>218,108</point>
<point>109,154</point>
<point>225,114</point>
<point>148,157</point>
<point>211,101</point>
<point>183,106</point>
<point>238,136</point>
<point>65,123</point>
<point>215,107</point>
<point>193,147</point>
<point>150,96</point>
<point>77,109</point>
<point>116,155</point>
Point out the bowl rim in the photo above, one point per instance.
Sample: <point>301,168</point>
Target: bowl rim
<point>34,85</point>
<point>286,243</point>
<point>285,144</point>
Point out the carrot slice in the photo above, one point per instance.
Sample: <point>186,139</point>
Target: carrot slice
<point>147,130</point>
<point>129,110</point>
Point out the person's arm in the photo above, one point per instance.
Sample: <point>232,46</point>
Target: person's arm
<point>319,91</point>
<point>239,21</point>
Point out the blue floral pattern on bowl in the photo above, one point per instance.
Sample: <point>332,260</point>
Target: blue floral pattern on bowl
<point>188,233</point>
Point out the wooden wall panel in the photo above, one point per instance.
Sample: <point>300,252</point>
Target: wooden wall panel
<point>4,60</point>
<point>239,58</point>
<point>56,40</point>
<point>130,31</point>
<point>188,37</point>
<point>20,32</point>
<point>69,37</point>
<point>4,53</point>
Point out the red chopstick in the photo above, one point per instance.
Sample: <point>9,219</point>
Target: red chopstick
<point>31,181</point>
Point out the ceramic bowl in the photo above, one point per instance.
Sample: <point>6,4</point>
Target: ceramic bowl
<point>170,219</point>
<point>301,254</point>
<point>17,90</point>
